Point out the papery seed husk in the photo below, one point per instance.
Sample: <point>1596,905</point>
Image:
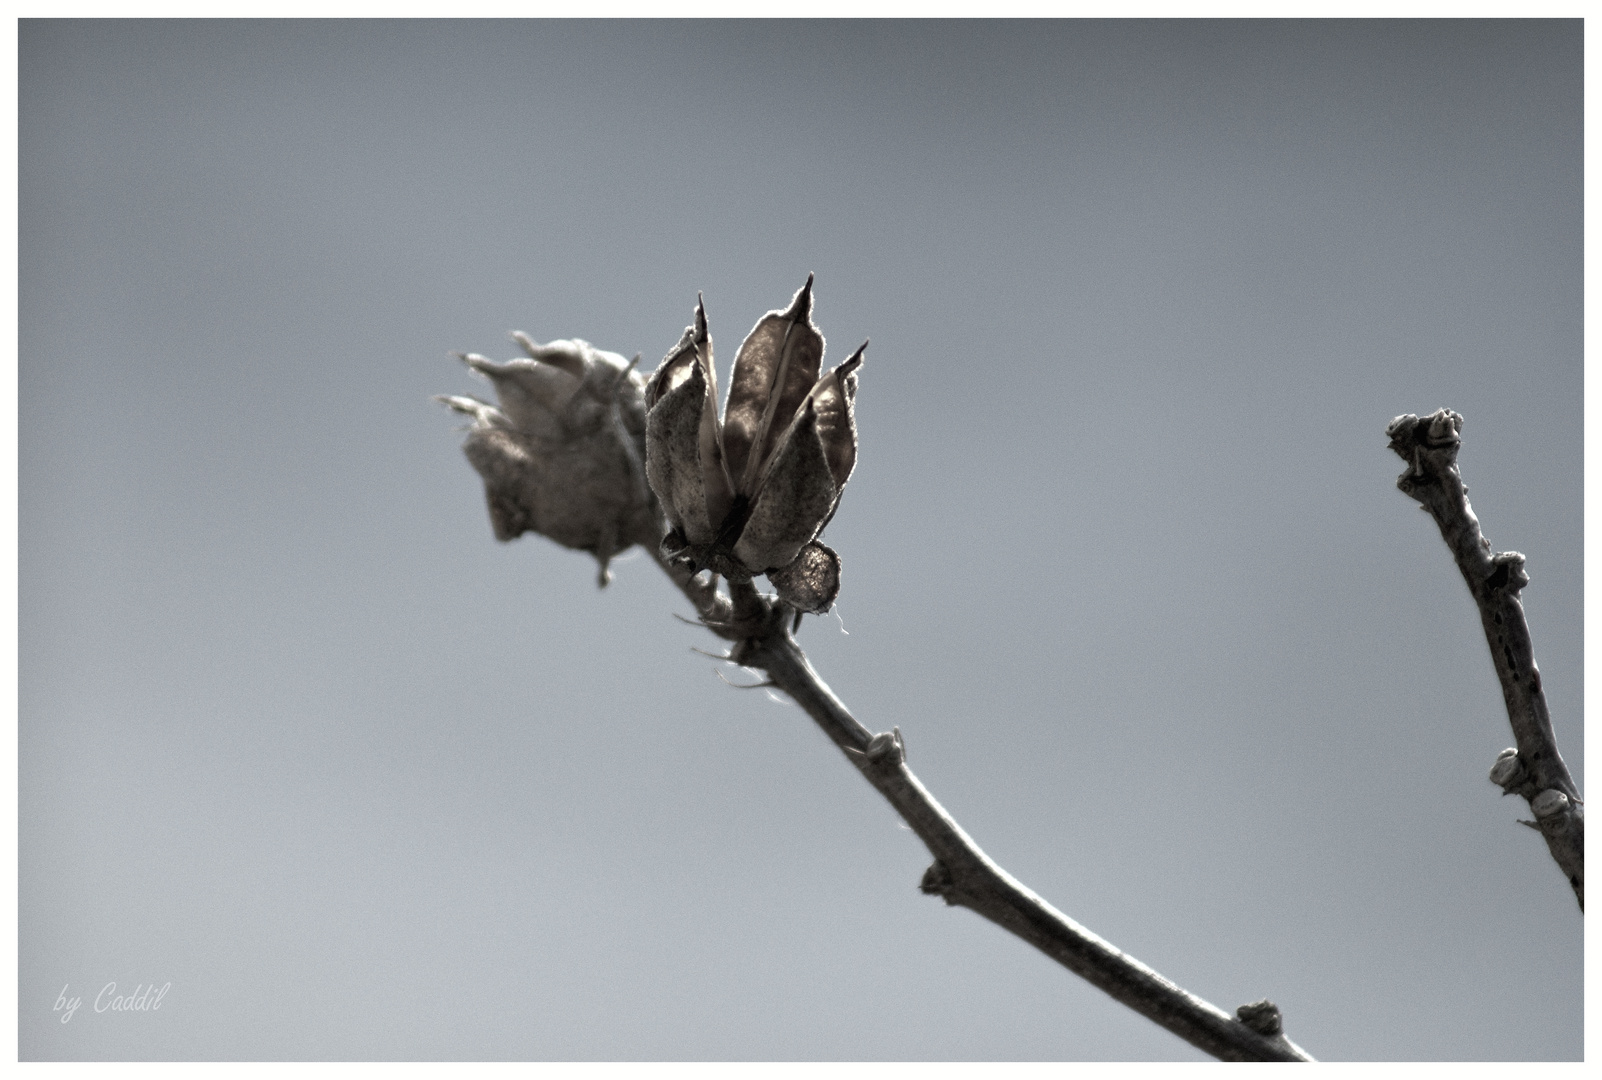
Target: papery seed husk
<point>564,354</point>
<point>795,498</point>
<point>485,414</point>
<point>631,408</point>
<point>503,460</point>
<point>532,394</point>
<point>673,370</point>
<point>811,583</point>
<point>673,450</point>
<point>774,371</point>
<point>603,388</point>
<point>581,493</point>
<point>715,477</point>
<point>837,426</point>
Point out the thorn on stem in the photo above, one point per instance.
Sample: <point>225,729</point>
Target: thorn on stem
<point>743,686</point>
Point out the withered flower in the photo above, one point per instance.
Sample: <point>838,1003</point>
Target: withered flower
<point>750,494</point>
<point>563,455</point>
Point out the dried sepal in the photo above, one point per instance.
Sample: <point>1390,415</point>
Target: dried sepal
<point>531,394</point>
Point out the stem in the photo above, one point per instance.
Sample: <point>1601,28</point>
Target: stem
<point>962,874</point>
<point>1537,772</point>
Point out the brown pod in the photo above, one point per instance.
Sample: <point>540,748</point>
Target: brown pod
<point>749,493</point>
<point>563,452</point>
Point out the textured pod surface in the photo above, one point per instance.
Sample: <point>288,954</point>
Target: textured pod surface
<point>775,370</point>
<point>833,404</point>
<point>673,455</point>
<point>811,582</point>
<point>796,496</point>
<point>563,454</point>
<point>748,493</point>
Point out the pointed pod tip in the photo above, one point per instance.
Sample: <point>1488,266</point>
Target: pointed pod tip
<point>459,404</point>
<point>700,317</point>
<point>526,343</point>
<point>801,306</point>
<point>854,362</point>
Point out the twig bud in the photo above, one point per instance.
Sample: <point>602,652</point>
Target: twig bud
<point>1262,1017</point>
<point>886,745</point>
<point>1548,804</point>
<point>1508,769</point>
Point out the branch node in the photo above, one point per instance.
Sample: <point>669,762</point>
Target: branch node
<point>886,748</point>
<point>1429,445</point>
<point>1262,1017</point>
<point>1507,572</point>
<point>937,881</point>
<point>1548,804</point>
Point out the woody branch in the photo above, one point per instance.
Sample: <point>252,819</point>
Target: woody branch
<point>585,451</point>
<point>962,874</point>
<point>1534,769</point>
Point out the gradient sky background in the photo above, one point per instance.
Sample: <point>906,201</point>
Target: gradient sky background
<point>1123,554</point>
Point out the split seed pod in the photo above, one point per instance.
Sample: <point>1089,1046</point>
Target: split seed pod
<point>749,494</point>
<point>563,453</point>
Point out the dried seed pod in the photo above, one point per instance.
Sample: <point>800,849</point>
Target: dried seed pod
<point>563,453</point>
<point>811,582</point>
<point>749,494</point>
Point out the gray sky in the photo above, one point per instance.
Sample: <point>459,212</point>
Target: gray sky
<point>1123,554</point>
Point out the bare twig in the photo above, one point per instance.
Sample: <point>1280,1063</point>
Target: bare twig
<point>1534,769</point>
<point>962,874</point>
